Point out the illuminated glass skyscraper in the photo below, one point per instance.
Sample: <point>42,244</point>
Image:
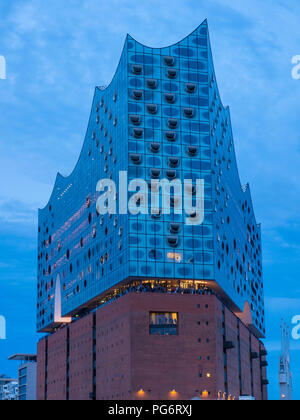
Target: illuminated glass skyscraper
<point>160,117</point>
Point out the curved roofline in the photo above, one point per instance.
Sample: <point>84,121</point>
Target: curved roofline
<point>113,78</point>
<point>171,45</point>
<point>64,178</point>
<point>59,175</point>
<point>97,88</point>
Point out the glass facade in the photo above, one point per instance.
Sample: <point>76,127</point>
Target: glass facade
<point>161,117</point>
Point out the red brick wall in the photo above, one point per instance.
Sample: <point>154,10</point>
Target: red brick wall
<point>129,359</point>
<point>81,359</point>
<point>114,350</point>
<point>41,370</point>
<point>245,360</point>
<point>232,354</point>
<point>256,369</point>
<point>57,365</point>
<point>219,349</point>
<point>166,363</point>
<point>264,373</point>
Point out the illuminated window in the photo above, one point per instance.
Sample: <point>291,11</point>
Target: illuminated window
<point>163,323</point>
<point>175,256</point>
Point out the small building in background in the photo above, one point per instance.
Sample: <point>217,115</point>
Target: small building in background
<point>26,376</point>
<point>285,373</point>
<point>8,389</point>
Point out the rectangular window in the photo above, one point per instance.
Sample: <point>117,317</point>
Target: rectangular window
<point>23,372</point>
<point>22,390</point>
<point>163,323</point>
<point>23,381</point>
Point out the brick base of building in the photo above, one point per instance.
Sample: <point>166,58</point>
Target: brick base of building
<point>110,354</point>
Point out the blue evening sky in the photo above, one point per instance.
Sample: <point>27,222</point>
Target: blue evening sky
<point>58,51</point>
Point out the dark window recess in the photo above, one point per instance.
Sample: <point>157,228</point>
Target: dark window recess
<point>171,73</point>
<point>152,108</point>
<point>190,87</point>
<point>170,135</point>
<point>254,355</point>
<point>189,112</point>
<point>156,216</point>
<point>171,174</point>
<point>136,158</point>
<point>228,345</point>
<point>135,119</point>
<point>193,215</point>
<point>152,83</point>
<point>137,69</point>
<point>137,94</point>
<point>170,98</point>
<point>153,254</point>
<point>192,150</point>
<point>169,61</point>
<point>265,382</point>
<point>172,123</point>
<point>155,147</point>
<point>155,173</point>
<point>163,323</point>
<point>174,228</point>
<point>173,241</point>
<point>138,133</point>
<point>173,162</point>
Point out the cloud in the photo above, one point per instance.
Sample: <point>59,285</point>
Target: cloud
<point>16,213</point>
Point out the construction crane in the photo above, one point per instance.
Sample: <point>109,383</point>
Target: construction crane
<point>285,375</point>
